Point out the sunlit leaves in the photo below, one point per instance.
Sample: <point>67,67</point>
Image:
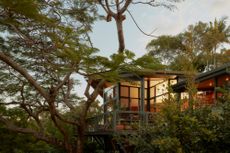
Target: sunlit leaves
<point>198,46</point>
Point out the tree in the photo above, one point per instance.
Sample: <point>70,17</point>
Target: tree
<point>222,57</point>
<point>42,45</point>
<point>197,45</point>
<point>217,34</point>
<point>116,10</point>
<point>21,143</point>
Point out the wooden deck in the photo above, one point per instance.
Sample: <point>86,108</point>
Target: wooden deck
<point>119,121</point>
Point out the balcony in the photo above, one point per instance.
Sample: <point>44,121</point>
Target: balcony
<point>127,105</point>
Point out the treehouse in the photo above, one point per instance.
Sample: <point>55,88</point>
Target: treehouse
<point>208,85</point>
<point>135,99</point>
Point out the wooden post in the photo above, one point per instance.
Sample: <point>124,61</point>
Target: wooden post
<point>116,107</point>
<point>142,98</point>
<point>104,106</point>
<point>169,89</point>
<point>148,95</point>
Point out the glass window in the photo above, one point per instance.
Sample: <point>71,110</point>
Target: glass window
<point>124,103</point>
<point>161,88</point>
<point>134,92</point>
<point>152,94</point>
<point>223,80</point>
<point>145,93</point>
<point>159,99</point>
<point>109,93</point>
<point>146,83</point>
<point>152,105</point>
<point>124,91</point>
<point>134,105</point>
<point>158,90</point>
<point>145,107</point>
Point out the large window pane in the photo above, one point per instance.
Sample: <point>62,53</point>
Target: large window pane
<point>159,99</point>
<point>145,107</point>
<point>124,103</point>
<point>134,92</point>
<point>152,92</point>
<point>161,88</point>
<point>145,93</point>
<point>152,105</point>
<point>124,91</point>
<point>134,105</point>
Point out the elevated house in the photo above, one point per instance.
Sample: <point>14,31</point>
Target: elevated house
<point>137,98</point>
<point>208,86</point>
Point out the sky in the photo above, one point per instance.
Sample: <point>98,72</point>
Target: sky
<point>162,20</point>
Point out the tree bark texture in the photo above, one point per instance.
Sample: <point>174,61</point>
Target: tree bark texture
<point>120,34</point>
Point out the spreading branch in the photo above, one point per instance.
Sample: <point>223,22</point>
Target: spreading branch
<point>37,134</point>
<point>24,73</point>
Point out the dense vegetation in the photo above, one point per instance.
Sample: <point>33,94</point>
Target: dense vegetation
<point>203,130</point>
<point>201,46</point>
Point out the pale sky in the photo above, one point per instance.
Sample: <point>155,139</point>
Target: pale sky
<point>166,22</point>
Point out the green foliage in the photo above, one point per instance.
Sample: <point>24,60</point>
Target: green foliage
<point>198,46</point>
<point>48,40</point>
<point>203,130</point>
<point>20,143</point>
<point>14,142</point>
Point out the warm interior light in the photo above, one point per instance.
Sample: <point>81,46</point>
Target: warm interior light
<point>227,79</point>
<point>210,84</point>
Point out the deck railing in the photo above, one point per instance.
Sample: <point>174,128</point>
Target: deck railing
<point>120,120</point>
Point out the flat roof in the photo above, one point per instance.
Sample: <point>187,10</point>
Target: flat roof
<point>224,69</point>
<point>151,74</point>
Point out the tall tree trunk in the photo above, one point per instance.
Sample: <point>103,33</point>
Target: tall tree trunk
<point>69,148</point>
<point>81,137</point>
<point>120,33</point>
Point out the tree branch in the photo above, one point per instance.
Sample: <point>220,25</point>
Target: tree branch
<point>24,73</point>
<point>40,136</point>
<point>97,89</point>
<point>67,94</point>
<point>63,81</point>
<point>124,8</point>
